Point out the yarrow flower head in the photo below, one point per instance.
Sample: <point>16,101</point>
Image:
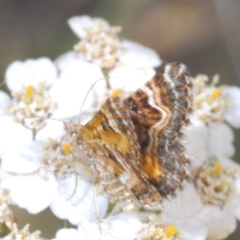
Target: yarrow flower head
<point>215,183</point>
<point>31,102</point>
<point>99,42</point>
<point>28,83</point>
<point>213,103</point>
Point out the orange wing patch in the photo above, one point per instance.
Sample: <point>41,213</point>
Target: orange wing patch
<point>150,165</point>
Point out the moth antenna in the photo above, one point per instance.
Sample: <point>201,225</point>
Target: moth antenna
<point>75,188</point>
<point>100,79</point>
<point>87,96</point>
<point>33,129</point>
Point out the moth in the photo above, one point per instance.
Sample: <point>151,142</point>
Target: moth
<point>134,145</point>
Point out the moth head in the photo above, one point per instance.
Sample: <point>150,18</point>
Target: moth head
<point>72,128</point>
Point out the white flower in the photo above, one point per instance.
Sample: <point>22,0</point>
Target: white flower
<point>99,42</point>
<point>217,184</point>
<point>20,155</point>
<point>101,45</point>
<point>214,103</point>
<point>98,37</point>
<point>31,72</point>
<point>28,83</point>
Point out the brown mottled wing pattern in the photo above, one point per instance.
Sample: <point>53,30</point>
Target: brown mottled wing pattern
<point>159,111</point>
<point>110,140</point>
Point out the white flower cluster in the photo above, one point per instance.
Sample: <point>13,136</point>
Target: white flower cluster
<point>38,160</point>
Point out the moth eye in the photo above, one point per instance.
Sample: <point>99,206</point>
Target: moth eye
<point>73,133</point>
<point>135,109</point>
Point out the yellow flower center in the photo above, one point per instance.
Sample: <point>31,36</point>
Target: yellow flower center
<point>170,231</point>
<point>218,169</point>
<point>215,94</point>
<point>116,93</point>
<point>66,148</point>
<point>29,94</point>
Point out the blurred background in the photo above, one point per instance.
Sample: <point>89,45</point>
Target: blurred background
<point>205,35</point>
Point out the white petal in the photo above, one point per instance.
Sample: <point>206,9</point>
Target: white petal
<point>220,140</point>
<point>219,222</point>
<point>4,174</point>
<point>120,226</point>
<point>4,102</point>
<point>53,129</point>
<point>130,222</point>
<point>187,203</point>
<point>139,56</point>
<point>129,79</point>
<point>67,233</point>
<point>90,230</point>
<point>72,87</point>
<point>78,24</point>
<point>30,72</point>
<point>229,163</point>
<point>232,114</point>
<point>34,193</point>
<point>23,159</point>
<point>234,203</point>
<point>81,205</point>
<point>196,142</point>
<point>12,134</point>
<point>65,59</point>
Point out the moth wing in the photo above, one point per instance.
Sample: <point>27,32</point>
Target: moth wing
<point>159,111</point>
<point>111,137</point>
